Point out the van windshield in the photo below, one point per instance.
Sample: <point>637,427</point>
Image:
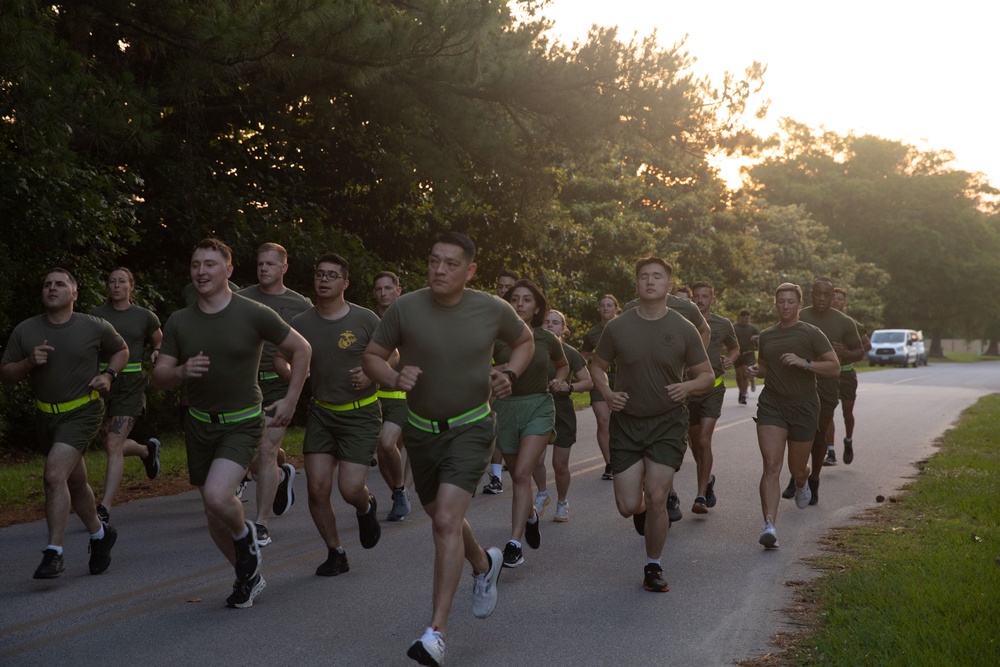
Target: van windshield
<point>888,337</point>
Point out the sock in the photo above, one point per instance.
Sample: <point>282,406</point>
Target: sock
<point>397,488</point>
<point>99,535</point>
<point>246,531</point>
<point>515,543</point>
<point>543,493</point>
<point>56,548</point>
<point>496,469</point>
<point>339,550</point>
<point>652,561</point>
<point>830,448</point>
<point>368,508</point>
<point>848,440</point>
<point>533,518</point>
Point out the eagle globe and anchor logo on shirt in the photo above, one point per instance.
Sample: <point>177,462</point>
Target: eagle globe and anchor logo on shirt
<point>346,340</point>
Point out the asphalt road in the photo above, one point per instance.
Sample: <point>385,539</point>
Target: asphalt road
<point>578,600</point>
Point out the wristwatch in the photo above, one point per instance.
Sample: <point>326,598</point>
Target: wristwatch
<point>511,375</point>
<point>807,365</point>
<point>110,371</point>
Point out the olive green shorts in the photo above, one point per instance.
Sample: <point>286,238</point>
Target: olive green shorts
<point>828,390</point>
<point>205,442</point>
<point>76,428</point>
<point>707,406</point>
<point>347,435</point>
<point>273,390</point>
<point>798,416</point>
<point>565,433</point>
<point>661,438</point>
<point>394,410</point>
<point>127,397</point>
<point>596,396</point>
<point>521,416</point>
<point>459,456</point>
<point>849,385</point>
<point>745,359</point>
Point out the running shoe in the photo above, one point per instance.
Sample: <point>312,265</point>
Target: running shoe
<point>263,539</point>
<point>102,514</point>
<point>484,589</point>
<point>710,498</point>
<point>241,488</point>
<point>100,550</point>
<point>284,497</point>
<point>789,491</point>
<point>652,579</point>
<point>639,521</point>
<point>542,501</point>
<point>494,486</point>
<point>743,399</point>
<point>248,556</point>
<point>831,458</point>
<point>51,566</point>
<point>512,555</point>
<point>802,496</point>
<point>674,508</point>
<point>152,460</point>
<point>428,650</point>
<point>400,505</point>
<point>335,563</point>
<point>244,591</point>
<point>848,451</point>
<point>607,472</point>
<point>700,505</point>
<point>531,534</point>
<point>753,387</point>
<point>769,536</point>
<point>814,490</point>
<point>369,530</point>
<point>562,512</point>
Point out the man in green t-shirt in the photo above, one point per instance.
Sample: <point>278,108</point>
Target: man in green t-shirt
<point>213,348</point>
<point>747,334</point>
<point>848,390</point>
<point>652,346</point>
<point>445,334</point>
<point>505,280</point>
<point>58,354</point>
<point>273,474</point>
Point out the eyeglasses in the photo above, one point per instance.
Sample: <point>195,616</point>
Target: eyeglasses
<point>329,275</point>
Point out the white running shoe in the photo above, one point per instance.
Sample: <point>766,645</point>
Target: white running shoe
<point>542,501</point>
<point>562,512</point>
<point>802,496</point>
<point>484,590</point>
<point>769,536</point>
<point>429,649</point>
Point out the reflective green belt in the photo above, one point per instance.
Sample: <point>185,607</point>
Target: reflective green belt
<point>261,377</point>
<point>58,408</point>
<point>344,407</point>
<point>130,368</point>
<point>718,381</point>
<point>847,367</point>
<point>391,394</point>
<point>225,417</point>
<point>431,426</point>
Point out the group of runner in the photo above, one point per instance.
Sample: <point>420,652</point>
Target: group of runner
<point>452,373</point>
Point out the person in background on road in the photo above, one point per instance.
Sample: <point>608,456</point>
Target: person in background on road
<point>344,419</point>
<point>683,292</point>
<point>526,418</point>
<point>607,310</point>
<point>848,389</point>
<point>274,475</point>
<point>704,410</point>
<point>505,280</point>
<point>747,334</point>
<point>444,334</point>
<point>792,355</point>
<point>564,436</point>
<point>213,348</point>
<point>126,401</point>
<point>58,353</point>
<point>652,346</point>
<point>386,289</point>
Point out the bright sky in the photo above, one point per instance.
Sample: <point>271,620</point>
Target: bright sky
<point>924,74</point>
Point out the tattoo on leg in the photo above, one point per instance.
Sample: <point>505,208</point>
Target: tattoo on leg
<point>120,424</point>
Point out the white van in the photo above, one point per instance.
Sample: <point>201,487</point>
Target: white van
<point>898,347</point>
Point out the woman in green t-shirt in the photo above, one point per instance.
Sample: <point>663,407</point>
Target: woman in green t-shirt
<point>608,309</point>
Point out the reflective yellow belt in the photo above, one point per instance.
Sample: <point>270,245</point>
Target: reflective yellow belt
<point>58,408</point>
<point>847,367</point>
<point>129,368</point>
<point>225,417</point>
<point>441,426</point>
<point>391,394</point>
<point>261,377</point>
<point>344,407</point>
<point>718,381</point>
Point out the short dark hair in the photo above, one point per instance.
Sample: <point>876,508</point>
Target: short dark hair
<point>216,245</point>
<point>701,283</point>
<point>276,248</point>
<point>639,263</point>
<point>840,290</point>
<point>543,304</point>
<point>386,274</point>
<point>334,258</point>
<point>687,289</point>
<point>507,273</point>
<point>57,269</point>
<point>461,240</point>
<point>744,311</point>
<point>823,280</point>
<point>789,287</point>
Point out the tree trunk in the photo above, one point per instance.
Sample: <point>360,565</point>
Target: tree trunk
<point>936,351</point>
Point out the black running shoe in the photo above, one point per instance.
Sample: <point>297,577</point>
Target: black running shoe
<point>848,451</point>
<point>531,534</point>
<point>248,556</point>
<point>369,530</point>
<point>263,538</point>
<point>814,488</point>
<point>607,472</point>
<point>512,555</point>
<point>336,563</point>
<point>831,458</point>
<point>674,508</point>
<point>743,399</point>
<point>152,460</point>
<point>100,550</point>
<point>789,491</point>
<point>244,591</point>
<point>639,521</point>
<point>653,579</point>
<point>284,497</point>
<point>710,498</point>
<point>494,486</point>
<point>51,566</point>
<point>700,505</point>
<point>102,514</point>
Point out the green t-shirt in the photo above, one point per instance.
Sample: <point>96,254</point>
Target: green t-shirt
<point>744,332</point>
<point>135,324</point>
<point>723,339</point>
<point>535,378</point>
<point>452,345</point>
<point>682,306</point>
<point>73,362</point>
<point>573,358</point>
<point>288,304</point>
<point>337,346</point>
<point>232,339</point>
<point>837,327</point>
<point>650,355</point>
<point>803,339</point>
<point>591,339</point>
